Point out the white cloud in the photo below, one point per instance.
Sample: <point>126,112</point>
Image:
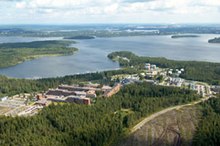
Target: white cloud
<point>21,5</point>
<point>62,4</point>
<point>111,10</point>
<point>112,6</point>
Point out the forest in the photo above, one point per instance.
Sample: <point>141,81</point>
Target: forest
<point>101,124</point>
<point>14,53</point>
<point>208,130</point>
<point>194,70</point>
<point>12,86</point>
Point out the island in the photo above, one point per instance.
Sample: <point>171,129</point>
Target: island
<point>215,40</point>
<point>80,37</point>
<point>184,36</point>
<point>15,53</point>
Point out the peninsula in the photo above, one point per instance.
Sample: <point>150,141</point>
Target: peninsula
<point>15,53</point>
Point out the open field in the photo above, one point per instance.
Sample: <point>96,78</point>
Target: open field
<point>175,127</point>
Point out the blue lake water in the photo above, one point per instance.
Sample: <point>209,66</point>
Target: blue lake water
<point>92,54</point>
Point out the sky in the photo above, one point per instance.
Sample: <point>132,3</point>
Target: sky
<point>108,11</point>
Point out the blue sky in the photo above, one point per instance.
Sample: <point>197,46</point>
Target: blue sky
<point>108,11</point>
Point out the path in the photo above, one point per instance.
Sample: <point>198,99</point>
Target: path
<point>151,117</point>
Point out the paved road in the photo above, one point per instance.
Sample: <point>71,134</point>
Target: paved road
<point>151,117</point>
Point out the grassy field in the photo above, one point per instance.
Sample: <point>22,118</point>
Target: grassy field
<point>15,53</point>
<point>172,129</point>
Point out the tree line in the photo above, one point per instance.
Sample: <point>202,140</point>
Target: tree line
<point>12,86</point>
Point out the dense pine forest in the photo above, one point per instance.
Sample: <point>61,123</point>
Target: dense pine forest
<point>208,130</point>
<point>97,125</point>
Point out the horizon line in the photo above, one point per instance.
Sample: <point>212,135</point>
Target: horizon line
<point>116,23</point>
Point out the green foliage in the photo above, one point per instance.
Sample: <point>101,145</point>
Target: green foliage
<point>14,53</point>
<point>9,86</point>
<point>100,124</point>
<point>37,44</point>
<point>158,97</point>
<point>208,130</point>
<point>194,70</point>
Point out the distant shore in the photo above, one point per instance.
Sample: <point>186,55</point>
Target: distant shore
<point>184,36</point>
<point>215,40</point>
<point>81,37</point>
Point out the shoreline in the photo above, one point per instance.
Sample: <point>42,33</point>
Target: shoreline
<point>33,57</point>
<point>80,73</point>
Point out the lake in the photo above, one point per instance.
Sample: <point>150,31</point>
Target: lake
<point>92,54</point>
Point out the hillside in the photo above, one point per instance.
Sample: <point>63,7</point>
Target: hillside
<point>173,128</point>
<point>196,125</point>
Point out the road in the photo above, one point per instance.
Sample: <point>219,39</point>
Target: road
<point>151,117</point>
